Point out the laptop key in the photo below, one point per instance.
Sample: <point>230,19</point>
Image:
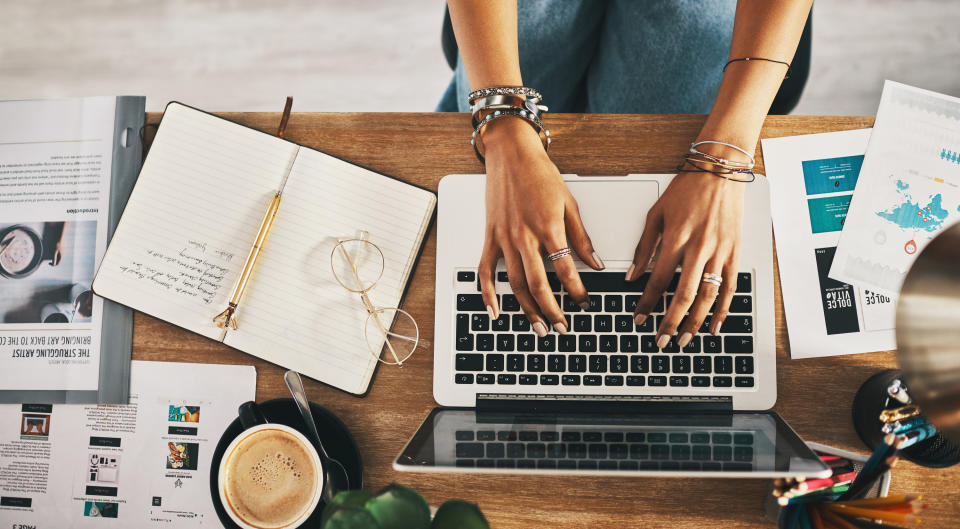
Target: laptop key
<point>536,363</point>
<point>660,363</point>
<point>722,365</point>
<point>639,451</point>
<point>526,342</point>
<point>486,463</point>
<point>516,450</point>
<point>598,364</point>
<point>607,465</point>
<point>648,344</point>
<point>480,322</point>
<point>465,343</point>
<point>547,344</point>
<point>507,435</point>
<point>466,277</point>
<point>467,463</point>
<point>582,323</point>
<point>556,363</point>
<point>603,323</point>
<point>618,364</point>
<point>463,324</point>
<point>485,342</point>
<point>484,378</point>
<point>506,380</point>
<point>469,362</point>
<point>613,380</point>
<point>671,346</point>
<point>570,380</point>
<point>463,378</point>
<point>505,342</point>
<point>657,381</point>
<point>613,303</point>
<point>737,324</point>
<point>744,283</point>
<point>520,323</point>
<point>578,363</point>
<point>628,343</point>
<point>693,347</point>
<point>470,303</point>
<point>501,324</point>
<point>623,323</point>
<point>743,365</point>
<point>627,465</point>
<point>528,380</point>
<point>592,380</point>
<point>464,435</point>
<point>527,435</point>
<point>701,364</point>
<point>741,305</point>
<point>608,343</point>
<point>743,382</point>
<point>549,380</point>
<point>515,362</point>
<point>681,364</point>
<point>738,344</point>
<point>486,435</point>
<point>630,303</point>
<point>509,303</point>
<point>700,382</point>
<point>549,437</point>
<point>722,382</point>
<point>679,381</point>
<point>506,463</point>
<point>569,305</point>
<point>566,464</point>
<point>566,343</point>
<point>743,438</point>
<point>502,277</point>
<point>570,437</point>
<point>711,344</point>
<point>633,380</point>
<point>471,450</point>
<point>587,343</point>
<point>494,362</point>
<point>596,303</point>
<point>635,437</point>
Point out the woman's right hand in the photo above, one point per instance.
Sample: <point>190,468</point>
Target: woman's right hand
<point>530,213</point>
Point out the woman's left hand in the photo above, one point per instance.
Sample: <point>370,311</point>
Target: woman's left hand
<point>697,224</point>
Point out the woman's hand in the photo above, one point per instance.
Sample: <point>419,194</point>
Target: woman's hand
<point>697,223</point>
<point>530,213</point>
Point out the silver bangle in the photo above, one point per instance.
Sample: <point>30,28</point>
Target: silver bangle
<point>532,119</point>
<point>530,93</point>
<point>501,102</point>
<point>723,161</point>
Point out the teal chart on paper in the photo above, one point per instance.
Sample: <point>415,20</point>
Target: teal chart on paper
<point>908,189</point>
<point>813,180</point>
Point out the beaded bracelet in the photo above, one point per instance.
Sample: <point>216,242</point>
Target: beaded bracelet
<point>724,172</point>
<point>529,117</point>
<point>531,94</point>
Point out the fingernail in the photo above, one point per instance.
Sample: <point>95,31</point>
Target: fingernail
<point>584,305</point>
<point>540,329</point>
<point>663,340</point>
<point>599,260</point>
<point>640,318</point>
<point>630,271</point>
<point>684,339</point>
<point>560,327</point>
<point>491,312</point>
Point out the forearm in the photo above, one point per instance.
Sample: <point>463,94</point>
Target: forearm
<point>762,28</point>
<point>486,33</point>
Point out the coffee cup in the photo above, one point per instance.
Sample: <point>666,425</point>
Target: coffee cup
<point>270,476</point>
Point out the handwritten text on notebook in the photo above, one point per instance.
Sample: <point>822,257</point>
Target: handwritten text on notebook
<point>195,271</point>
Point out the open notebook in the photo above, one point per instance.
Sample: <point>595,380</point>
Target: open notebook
<point>193,216</point>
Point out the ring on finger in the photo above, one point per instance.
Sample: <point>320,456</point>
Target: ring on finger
<point>713,279</point>
<point>559,254</point>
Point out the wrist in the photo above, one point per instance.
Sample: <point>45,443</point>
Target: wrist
<point>510,134</point>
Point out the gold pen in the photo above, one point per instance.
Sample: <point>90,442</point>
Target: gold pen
<point>228,316</point>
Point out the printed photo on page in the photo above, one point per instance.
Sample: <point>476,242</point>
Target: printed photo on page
<point>144,464</point>
<point>908,190</point>
<point>812,180</point>
<point>55,167</point>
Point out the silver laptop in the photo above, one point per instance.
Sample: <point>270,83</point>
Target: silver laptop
<point>606,368</point>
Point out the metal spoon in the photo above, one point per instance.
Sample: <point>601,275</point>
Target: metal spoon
<point>335,478</point>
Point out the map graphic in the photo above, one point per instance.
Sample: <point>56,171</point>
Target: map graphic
<point>926,214</point>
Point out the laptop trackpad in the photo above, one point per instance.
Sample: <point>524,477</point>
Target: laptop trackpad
<point>614,214</point>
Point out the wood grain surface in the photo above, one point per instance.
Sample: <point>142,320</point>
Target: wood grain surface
<point>815,395</point>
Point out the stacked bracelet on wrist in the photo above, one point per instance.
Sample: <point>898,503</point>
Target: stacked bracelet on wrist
<point>489,104</point>
<point>698,161</point>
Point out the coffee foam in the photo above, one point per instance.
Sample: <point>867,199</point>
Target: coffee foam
<point>270,479</point>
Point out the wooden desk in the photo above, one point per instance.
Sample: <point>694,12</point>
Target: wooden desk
<point>814,395</point>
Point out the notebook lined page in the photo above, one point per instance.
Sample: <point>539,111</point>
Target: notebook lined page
<point>192,216</point>
<point>296,314</point>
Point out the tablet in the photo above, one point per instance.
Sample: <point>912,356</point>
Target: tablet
<point>714,444</point>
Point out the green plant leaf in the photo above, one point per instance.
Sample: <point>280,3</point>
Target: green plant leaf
<point>349,517</point>
<point>458,514</point>
<point>348,498</point>
<point>399,507</point>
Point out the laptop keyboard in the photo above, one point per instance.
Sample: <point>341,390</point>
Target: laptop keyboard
<point>606,450</point>
<point>604,347</point>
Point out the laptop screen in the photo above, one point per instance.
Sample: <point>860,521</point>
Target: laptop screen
<point>733,444</point>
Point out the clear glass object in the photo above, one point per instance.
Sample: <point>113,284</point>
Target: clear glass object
<point>391,334</point>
